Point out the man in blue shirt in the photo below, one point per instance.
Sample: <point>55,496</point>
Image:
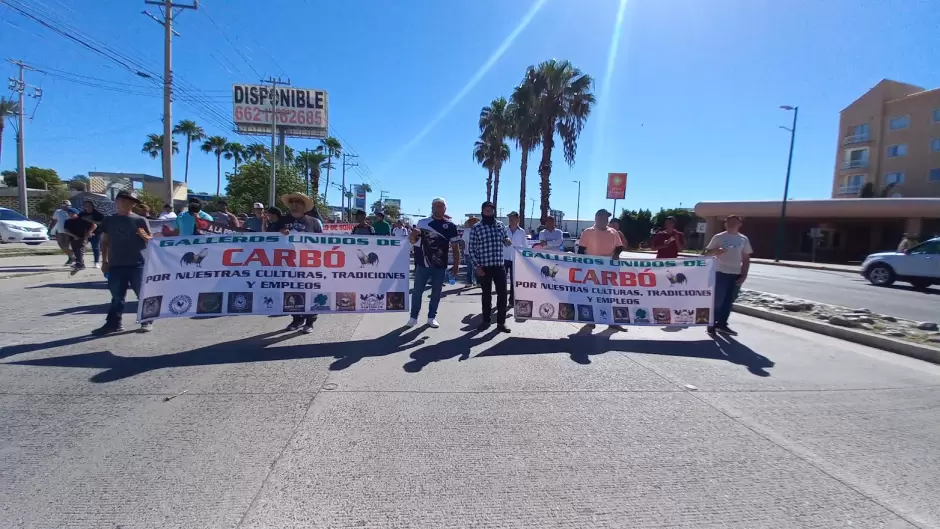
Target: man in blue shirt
<point>186,221</point>
<point>432,237</point>
<point>488,238</point>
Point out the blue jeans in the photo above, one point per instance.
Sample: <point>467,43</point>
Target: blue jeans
<point>471,270</point>
<point>96,246</point>
<point>119,278</point>
<point>726,291</point>
<point>423,274</point>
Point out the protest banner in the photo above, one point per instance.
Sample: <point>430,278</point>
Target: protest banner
<point>595,289</point>
<point>165,227</point>
<point>273,274</point>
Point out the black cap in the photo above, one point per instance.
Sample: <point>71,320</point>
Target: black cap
<point>488,204</point>
<point>513,214</point>
<point>127,196</point>
<point>602,211</point>
<point>274,210</point>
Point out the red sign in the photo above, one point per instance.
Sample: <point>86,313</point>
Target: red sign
<point>617,185</point>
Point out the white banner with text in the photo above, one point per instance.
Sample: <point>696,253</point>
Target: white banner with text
<point>273,274</point>
<point>595,289</point>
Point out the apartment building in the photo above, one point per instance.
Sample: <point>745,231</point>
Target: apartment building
<point>890,137</point>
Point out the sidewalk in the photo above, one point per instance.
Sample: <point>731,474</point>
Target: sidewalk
<point>854,269</point>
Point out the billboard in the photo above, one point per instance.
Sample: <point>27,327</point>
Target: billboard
<point>617,185</point>
<point>360,201</point>
<point>396,202</point>
<point>300,112</point>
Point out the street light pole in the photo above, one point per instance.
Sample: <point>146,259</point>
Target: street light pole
<point>577,215</point>
<point>781,237</point>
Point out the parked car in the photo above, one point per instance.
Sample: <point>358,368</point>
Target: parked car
<point>17,228</point>
<point>919,266</point>
<point>568,243</point>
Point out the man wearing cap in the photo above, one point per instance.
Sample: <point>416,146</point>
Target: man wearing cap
<point>79,231</point>
<point>297,221</point>
<point>257,221</point>
<point>124,238</point>
<point>381,226</point>
<point>517,239</point>
<point>489,238</point>
<point>400,230</point>
<point>601,239</point>
<point>433,237</point>
<point>362,227</point>
<point>57,229</point>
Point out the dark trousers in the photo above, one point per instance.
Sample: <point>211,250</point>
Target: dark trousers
<point>491,275</point>
<point>78,253</point>
<point>305,319</point>
<point>119,278</point>
<point>512,280</point>
<point>726,290</point>
<point>95,241</point>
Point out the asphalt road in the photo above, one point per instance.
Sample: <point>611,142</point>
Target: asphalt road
<point>228,422</point>
<point>845,289</point>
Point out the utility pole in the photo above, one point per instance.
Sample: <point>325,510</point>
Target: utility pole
<point>272,193</point>
<point>20,86</point>
<point>781,225</point>
<point>167,150</point>
<point>345,165</point>
<point>577,214</point>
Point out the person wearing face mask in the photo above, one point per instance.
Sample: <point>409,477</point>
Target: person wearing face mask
<point>488,238</point>
<point>186,221</point>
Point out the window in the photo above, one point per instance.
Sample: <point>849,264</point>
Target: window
<point>860,130</point>
<point>895,151</point>
<point>9,214</point>
<point>899,123</point>
<point>936,115</point>
<point>933,175</point>
<point>894,178</point>
<point>855,180</point>
<point>927,248</point>
<point>935,145</point>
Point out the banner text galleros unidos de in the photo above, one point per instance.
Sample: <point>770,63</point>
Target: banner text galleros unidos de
<point>270,274</point>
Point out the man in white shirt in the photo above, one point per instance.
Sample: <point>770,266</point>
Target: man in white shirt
<point>550,238</point>
<point>733,252</point>
<point>57,229</point>
<point>168,213</point>
<point>517,236</point>
<point>400,230</point>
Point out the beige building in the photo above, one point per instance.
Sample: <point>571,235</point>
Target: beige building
<point>890,137</point>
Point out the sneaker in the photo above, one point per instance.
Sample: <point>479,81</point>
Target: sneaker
<point>69,262</point>
<point>97,264</point>
<point>724,329</point>
<point>412,322</point>
<point>146,326</point>
<point>483,326</point>
<point>710,330</point>
<point>74,270</point>
<point>107,328</point>
<point>432,323</point>
<point>503,328</point>
<point>294,326</point>
<point>306,329</point>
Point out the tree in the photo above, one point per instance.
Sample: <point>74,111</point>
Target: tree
<point>392,211</point>
<point>333,149</point>
<point>8,108</point>
<point>525,130</point>
<point>495,126</point>
<point>481,154</point>
<point>235,151</point>
<point>52,200</point>
<point>311,161</point>
<point>256,151</point>
<point>868,191</point>
<point>636,225</point>
<point>253,181</point>
<point>192,132</point>
<point>154,202</point>
<point>563,104</point>
<point>682,215</point>
<point>154,146</point>
<point>216,145</point>
<point>36,178</point>
<point>79,183</point>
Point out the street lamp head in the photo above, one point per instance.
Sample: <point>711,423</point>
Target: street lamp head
<point>786,107</point>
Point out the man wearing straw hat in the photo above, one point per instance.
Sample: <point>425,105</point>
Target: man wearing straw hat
<point>298,222</point>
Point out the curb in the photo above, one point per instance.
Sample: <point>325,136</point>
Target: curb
<point>808,266</point>
<point>892,345</point>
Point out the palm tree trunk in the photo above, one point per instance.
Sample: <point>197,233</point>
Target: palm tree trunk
<point>489,185</point>
<point>545,172</point>
<point>1,138</point>
<point>189,141</point>
<point>523,167</point>
<point>218,175</point>
<point>326,190</point>
<point>496,171</point>
<point>315,183</point>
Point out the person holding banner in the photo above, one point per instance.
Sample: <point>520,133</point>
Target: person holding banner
<point>258,221</point>
<point>298,221</point>
<point>733,260</point>
<point>517,239</point>
<point>186,221</point>
<point>488,240</point>
<point>601,239</point>
<point>362,227</point>
<point>550,238</point>
<point>432,237</point>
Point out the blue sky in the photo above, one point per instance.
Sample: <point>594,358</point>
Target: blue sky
<point>688,107</point>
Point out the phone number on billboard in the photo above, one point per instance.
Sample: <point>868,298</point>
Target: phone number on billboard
<point>252,114</point>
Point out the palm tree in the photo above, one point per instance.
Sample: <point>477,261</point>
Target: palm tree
<point>496,125</point>
<point>8,108</point>
<point>481,154</point>
<point>216,145</point>
<point>333,149</point>
<point>192,132</point>
<point>154,146</point>
<point>525,130</point>
<point>256,151</point>
<point>868,191</point>
<point>235,151</point>
<point>563,104</point>
<point>311,162</point>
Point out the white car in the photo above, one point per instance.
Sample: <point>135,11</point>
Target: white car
<point>17,228</point>
<point>919,266</point>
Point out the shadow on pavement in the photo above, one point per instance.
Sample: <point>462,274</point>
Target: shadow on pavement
<point>16,349</point>
<point>91,284</point>
<point>130,308</point>
<point>255,349</point>
<point>456,347</point>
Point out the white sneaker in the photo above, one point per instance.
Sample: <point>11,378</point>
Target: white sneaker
<point>412,322</point>
<point>146,326</point>
<point>432,323</point>
<point>97,265</point>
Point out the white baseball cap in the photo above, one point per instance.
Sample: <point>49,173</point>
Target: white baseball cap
<point>258,205</point>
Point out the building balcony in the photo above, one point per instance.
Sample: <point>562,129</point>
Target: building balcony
<point>854,164</point>
<point>849,189</point>
<point>856,138</point>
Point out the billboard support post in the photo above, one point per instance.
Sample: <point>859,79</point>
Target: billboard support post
<point>272,193</point>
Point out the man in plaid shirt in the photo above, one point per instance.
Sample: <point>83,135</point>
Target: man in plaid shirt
<point>487,239</point>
